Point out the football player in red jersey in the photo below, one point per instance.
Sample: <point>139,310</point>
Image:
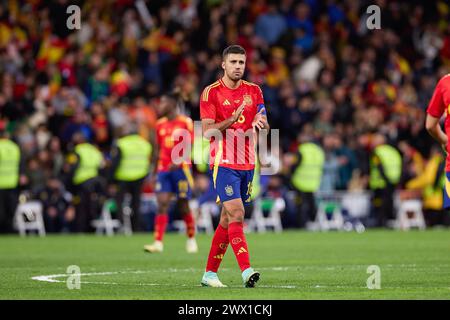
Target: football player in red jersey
<point>234,107</point>
<point>172,178</point>
<point>440,104</point>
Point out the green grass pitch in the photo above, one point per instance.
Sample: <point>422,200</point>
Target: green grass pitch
<point>293,265</point>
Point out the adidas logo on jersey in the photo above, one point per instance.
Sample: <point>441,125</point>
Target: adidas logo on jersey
<point>226,103</point>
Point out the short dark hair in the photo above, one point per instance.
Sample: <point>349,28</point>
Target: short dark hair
<point>232,49</point>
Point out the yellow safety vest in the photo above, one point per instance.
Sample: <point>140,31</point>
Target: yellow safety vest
<point>308,175</point>
<point>89,163</point>
<point>391,161</point>
<point>135,158</point>
<point>9,164</point>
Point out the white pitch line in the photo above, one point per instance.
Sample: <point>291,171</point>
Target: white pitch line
<point>53,278</point>
<point>50,278</point>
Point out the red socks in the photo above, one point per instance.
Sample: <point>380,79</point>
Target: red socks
<point>239,244</point>
<point>160,226</point>
<point>222,237</point>
<point>190,225</point>
<point>218,248</point>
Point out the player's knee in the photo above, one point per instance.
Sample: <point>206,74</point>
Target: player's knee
<point>163,207</point>
<point>236,215</point>
<point>224,221</point>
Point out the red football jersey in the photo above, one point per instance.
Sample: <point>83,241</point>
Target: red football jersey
<point>440,103</point>
<point>165,139</point>
<point>218,102</point>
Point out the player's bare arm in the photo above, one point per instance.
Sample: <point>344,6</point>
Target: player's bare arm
<point>208,124</point>
<point>435,130</point>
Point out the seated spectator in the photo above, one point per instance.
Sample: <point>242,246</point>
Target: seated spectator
<point>59,214</point>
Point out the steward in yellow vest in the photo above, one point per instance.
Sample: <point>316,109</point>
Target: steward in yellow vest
<point>131,157</point>
<point>306,178</point>
<point>385,174</point>
<point>86,161</point>
<point>134,158</point>
<point>11,166</point>
<point>385,167</point>
<point>308,174</point>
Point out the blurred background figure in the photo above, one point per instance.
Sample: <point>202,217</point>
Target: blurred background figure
<point>11,175</point>
<point>59,212</point>
<point>130,159</point>
<point>173,179</point>
<point>385,173</point>
<point>306,178</point>
<point>85,162</point>
<point>430,186</point>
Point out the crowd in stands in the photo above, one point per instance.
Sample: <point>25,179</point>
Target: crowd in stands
<point>323,73</point>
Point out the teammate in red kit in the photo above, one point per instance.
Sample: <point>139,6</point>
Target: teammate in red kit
<point>235,108</point>
<point>440,104</point>
<point>172,178</point>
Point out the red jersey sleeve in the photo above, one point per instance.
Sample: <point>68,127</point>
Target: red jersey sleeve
<point>436,106</point>
<point>261,108</point>
<point>207,107</point>
<point>259,96</point>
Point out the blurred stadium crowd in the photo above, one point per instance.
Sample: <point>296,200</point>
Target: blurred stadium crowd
<point>325,77</point>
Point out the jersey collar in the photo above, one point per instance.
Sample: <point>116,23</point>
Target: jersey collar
<point>223,83</point>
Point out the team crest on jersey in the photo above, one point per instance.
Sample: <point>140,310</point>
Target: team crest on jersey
<point>248,99</point>
<point>229,190</point>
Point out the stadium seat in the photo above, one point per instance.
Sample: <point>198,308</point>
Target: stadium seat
<point>357,203</point>
<point>29,217</point>
<point>105,222</point>
<point>410,215</point>
<point>259,222</point>
<point>325,223</point>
